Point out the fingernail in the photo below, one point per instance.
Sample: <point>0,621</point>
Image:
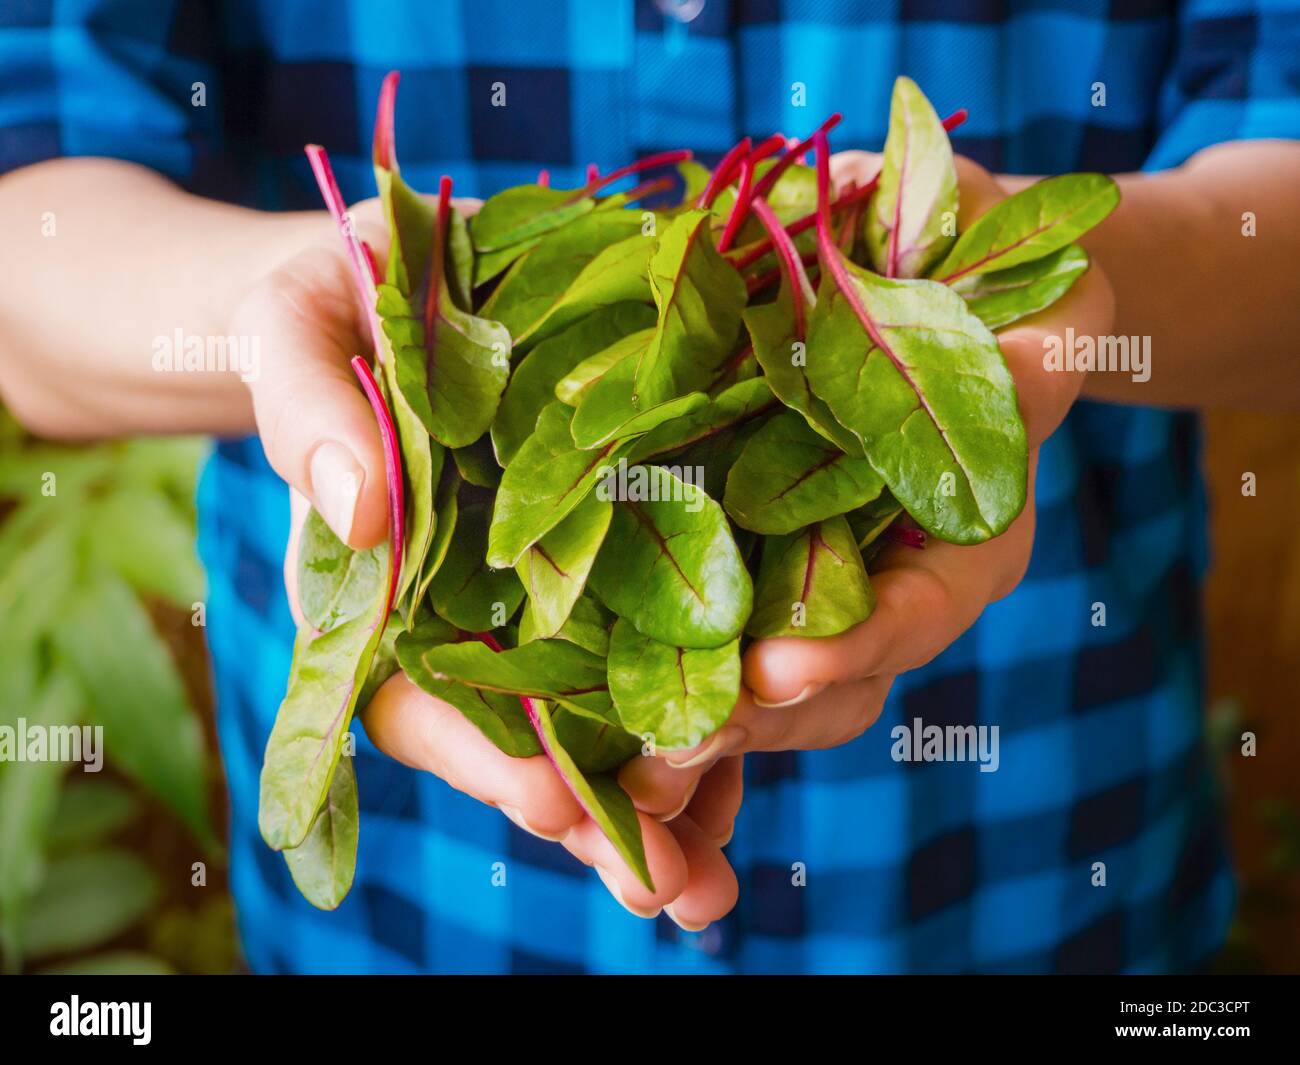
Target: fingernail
<point>336,481</point>
<point>804,695</point>
<point>724,738</point>
<point>518,819</point>
<point>723,840</point>
<point>612,885</point>
<point>684,925</point>
<point>690,794</point>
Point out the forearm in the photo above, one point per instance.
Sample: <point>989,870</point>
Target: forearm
<point>1219,306</point>
<point>123,257</point>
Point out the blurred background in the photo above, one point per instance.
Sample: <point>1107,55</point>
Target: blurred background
<point>101,621</point>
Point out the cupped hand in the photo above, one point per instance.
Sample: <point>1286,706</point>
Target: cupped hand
<point>805,694</point>
<point>319,434</point>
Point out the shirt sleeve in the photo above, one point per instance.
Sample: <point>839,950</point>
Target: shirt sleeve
<point>98,77</point>
<point>1234,75</point>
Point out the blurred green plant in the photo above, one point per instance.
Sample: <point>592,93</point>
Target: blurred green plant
<point>90,538</point>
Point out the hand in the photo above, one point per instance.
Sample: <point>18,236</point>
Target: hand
<point>320,436</point>
<point>805,694</point>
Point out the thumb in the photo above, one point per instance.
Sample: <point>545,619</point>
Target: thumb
<point>317,428</point>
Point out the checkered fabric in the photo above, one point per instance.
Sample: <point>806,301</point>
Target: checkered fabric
<point>929,867</point>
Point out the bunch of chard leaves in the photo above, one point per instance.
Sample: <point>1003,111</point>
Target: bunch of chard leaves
<point>627,441</point>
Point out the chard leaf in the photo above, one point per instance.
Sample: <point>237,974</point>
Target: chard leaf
<point>543,669</point>
<point>600,796</point>
<point>676,695</point>
<point>1036,221</point>
<point>335,583</point>
<point>454,384</point>
<point>729,410</point>
<point>323,865</point>
<point>789,476</point>
<point>609,409</point>
<point>921,381</point>
<point>465,590</point>
<point>499,717</point>
<point>532,385</point>
<point>617,274</point>
<point>448,510</point>
<point>700,297</point>
<point>548,476</point>
<point>326,677</point>
<point>538,279</point>
<point>523,212</point>
<point>911,221</point>
<point>1006,296</point>
<point>571,387</point>
<point>587,625</point>
<point>554,569</point>
<point>811,583</point>
<point>669,563</point>
<point>477,464</point>
<point>782,354</point>
<point>595,746</point>
<point>868,522</point>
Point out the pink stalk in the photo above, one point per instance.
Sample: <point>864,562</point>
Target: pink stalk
<point>678,155</point>
<point>738,208</point>
<point>372,261</point>
<point>791,265</point>
<point>906,535</point>
<point>723,172</point>
<point>850,223</point>
<point>648,188</point>
<point>385,144</point>
<point>437,259</point>
<point>364,272</point>
<point>544,178</point>
<point>955,119</point>
<point>593,173</point>
<point>393,468</point>
<point>791,155</point>
<point>806,222</point>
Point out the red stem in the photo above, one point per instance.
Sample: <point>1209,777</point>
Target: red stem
<point>393,468</point>
<point>437,259</point>
<point>648,188</point>
<point>955,119</point>
<point>791,266</point>
<point>761,281</point>
<point>364,271</point>
<point>774,175</point>
<point>593,173</point>
<point>796,227</point>
<point>544,178</point>
<point>723,172</point>
<point>738,208</point>
<point>679,155</point>
<point>906,535</point>
<point>385,144</point>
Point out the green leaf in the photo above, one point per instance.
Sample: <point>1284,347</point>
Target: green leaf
<point>554,569</point>
<point>536,280</point>
<point>870,521</point>
<point>87,899</point>
<point>89,810</point>
<point>676,695</point>
<point>1034,222</point>
<point>737,406</point>
<point>601,797</point>
<point>325,681</point>
<point>500,717</point>
<point>595,746</point>
<point>134,691</point>
<point>150,542</point>
<point>384,663</point>
<point>789,476</point>
<point>454,384</point>
<point>532,385</point>
<point>922,382</point>
<point>460,262</point>
<point>670,566</point>
<point>609,410</point>
<point>523,212</point>
<point>544,669</point>
<point>1006,296</point>
<point>617,274</point>
<point>700,297</point>
<point>548,476</point>
<point>465,590</point>
<point>477,463</point>
<point>447,505</point>
<point>323,865</point>
<point>782,355</point>
<point>811,583</point>
<point>587,625</point>
<point>335,583</point>
<point>575,383</point>
<point>911,222</point>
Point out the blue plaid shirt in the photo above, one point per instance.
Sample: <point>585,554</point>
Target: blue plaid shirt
<point>931,867</point>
